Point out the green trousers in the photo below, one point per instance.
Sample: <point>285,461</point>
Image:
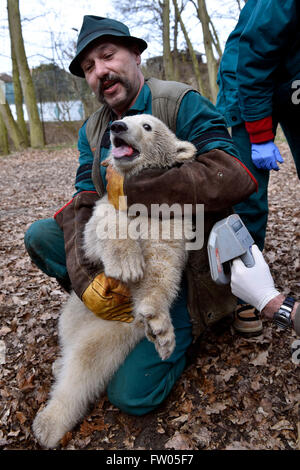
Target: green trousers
<point>144,380</point>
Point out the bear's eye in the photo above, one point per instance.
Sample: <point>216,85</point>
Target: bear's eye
<point>147,127</point>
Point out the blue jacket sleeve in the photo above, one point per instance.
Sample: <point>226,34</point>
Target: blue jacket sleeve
<point>228,100</point>
<point>199,122</point>
<point>264,46</point>
<point>83,180</point>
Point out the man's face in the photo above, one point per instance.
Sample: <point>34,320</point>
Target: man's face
<point>112,72</point>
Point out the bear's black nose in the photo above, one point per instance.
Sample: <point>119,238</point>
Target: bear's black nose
<point>118,126</point>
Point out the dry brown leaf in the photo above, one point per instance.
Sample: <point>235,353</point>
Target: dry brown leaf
<point>179,442</point>
<point>282,424</point>
<point>216,408</point>
<point>21,417</point>
<point>261,359</point>
<point>66,439</point>
<point>5,330</point>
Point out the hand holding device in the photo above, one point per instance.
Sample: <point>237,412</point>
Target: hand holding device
<point>254,285</point>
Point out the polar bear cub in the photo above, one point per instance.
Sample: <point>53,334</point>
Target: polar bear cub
<point>92,349</point>
<point>148,262</point>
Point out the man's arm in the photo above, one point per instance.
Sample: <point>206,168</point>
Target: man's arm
<point>264,44</point>
<point>74,215</point>
<point>83,180</point>
<point>264,47</point>
<point>228,100</point>
<point>256,286</point>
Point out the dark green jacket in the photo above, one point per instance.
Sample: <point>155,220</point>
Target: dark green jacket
<point>260,61</point>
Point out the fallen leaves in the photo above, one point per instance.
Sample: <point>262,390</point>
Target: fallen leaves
<point>180,442</point>
<point>2,352</point>
<point>236,393</point>
<point>261,359</point>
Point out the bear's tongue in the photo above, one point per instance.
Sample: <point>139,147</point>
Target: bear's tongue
<point>122,151</point>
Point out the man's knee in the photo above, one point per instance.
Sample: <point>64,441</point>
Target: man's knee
<point>44,242</point>
<point>34,235</point>
<point>45,232</point>
<point>141,396</point>
<point>129,405</point>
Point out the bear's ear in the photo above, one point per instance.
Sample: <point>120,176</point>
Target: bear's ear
<point>184,151</point>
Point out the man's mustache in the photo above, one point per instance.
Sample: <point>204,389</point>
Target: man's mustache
<point>108,78</point>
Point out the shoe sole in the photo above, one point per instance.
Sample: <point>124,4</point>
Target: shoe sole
<point>254,331</point>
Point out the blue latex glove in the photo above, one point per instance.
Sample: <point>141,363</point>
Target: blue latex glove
<point>266,156</point>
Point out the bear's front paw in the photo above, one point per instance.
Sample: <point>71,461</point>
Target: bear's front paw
<point>127,269</point>
<point>159,330</point>
<point>48,427</point>
<point>165,344</point>
<point>163,336</point>
<point>133,268</point>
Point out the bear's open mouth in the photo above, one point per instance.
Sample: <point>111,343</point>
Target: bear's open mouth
<point>122,149</point>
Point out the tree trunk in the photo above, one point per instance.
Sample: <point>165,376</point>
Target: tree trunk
<point>4,147</point>
<point>216,40</point>
<point>212,64</point>
<point>197,72</point>
<point>36,130</point>
<point>12,127</point>
<point>167,57</point>
<point>175,49</point>
<point>18,97</point>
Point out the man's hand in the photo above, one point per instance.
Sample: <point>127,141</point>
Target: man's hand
<point>253,285</point>
<point>266,155</point>
<point>115,188</point>
<point>109,299</point>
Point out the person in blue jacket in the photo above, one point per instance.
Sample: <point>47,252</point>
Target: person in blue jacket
<point>258,89</point>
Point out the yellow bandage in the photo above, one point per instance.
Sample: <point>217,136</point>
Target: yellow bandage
<point>114,188</point>
<point>109,299</point>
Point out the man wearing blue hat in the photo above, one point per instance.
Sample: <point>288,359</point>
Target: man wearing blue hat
<point>109,58</point>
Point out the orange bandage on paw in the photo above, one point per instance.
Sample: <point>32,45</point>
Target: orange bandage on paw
<point>114,188</point>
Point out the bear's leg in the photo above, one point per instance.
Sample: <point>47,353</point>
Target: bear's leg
<point>88,363</point>
<point>143,381</point>
<point>156,292</point>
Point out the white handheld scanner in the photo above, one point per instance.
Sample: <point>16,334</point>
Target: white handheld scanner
<point>228,239</point>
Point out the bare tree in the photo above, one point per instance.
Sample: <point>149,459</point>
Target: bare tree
<point>14,20</point>
<point>175,45</point>
<point>4,147</point>
<point>156,13</point>
<point>210,39</point>
<point>65,51</point>
<point>12,127</point>
<point>215,39</point>
<point>200,84</point>
<point>18,97</point>
<point>167,56</point>
<point>241,4</point>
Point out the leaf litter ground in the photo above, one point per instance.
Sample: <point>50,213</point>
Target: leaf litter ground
<point>235,393</point>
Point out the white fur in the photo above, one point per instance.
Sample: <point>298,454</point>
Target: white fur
<point>92,349</point>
